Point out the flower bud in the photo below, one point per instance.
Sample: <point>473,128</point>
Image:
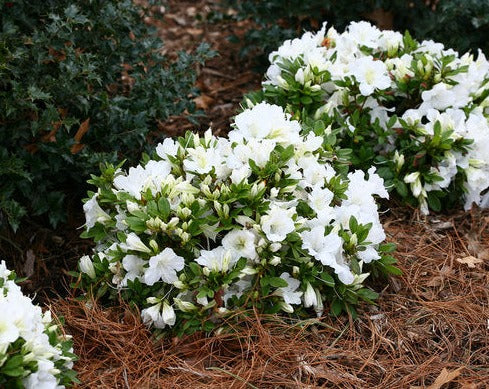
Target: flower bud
<point>299,76</point>
<point>133,242</point>
<point>222,311</point>
<point>274,247</point>
<point>184,213</point>
<point>154,245</point>
<point>206,271</point>
<point>86,266</point>
<point>282,83</point>
<point>179,284</point>
<point>225,211</point>
<point>399,160</point>
<point>319,308</point>
<point>173,222</point>
<point>274,192</point>
<point>295,270</point>
<point>410,178</point>
<point>208,137</point>
<point>132,206</point>
<point>249,271</point>
<point>185,236</point>
<point>309,296</point>
<point>353,239</point>
<point>286,307</point>
<point>187,199</point>
<point>184,306</point>
<point>168,314</point>
<point>476,163</point>
<point>218,207</point>
<point>206,190</point>
<point>275,261</point>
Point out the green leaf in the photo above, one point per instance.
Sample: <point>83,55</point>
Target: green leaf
<point>277,282</point>
<point>434,202</point>
<point>401,188</point>
<point>327,278</point>
<point>337,307</point>
<point>368,294</point>
<point>164,207</point>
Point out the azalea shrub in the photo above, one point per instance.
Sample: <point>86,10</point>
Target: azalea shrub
<point>34,352</point>
<point>80,82</point>
<point>208,226</point>
<point>417,111</point>
<point>462,25</point>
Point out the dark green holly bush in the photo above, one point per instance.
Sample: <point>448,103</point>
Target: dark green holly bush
<point>80,82</point>
<point>459,24</point>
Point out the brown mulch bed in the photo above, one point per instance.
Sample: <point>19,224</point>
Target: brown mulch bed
<point>429,329</point>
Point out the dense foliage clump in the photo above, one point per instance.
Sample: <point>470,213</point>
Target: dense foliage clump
<point>415,110</point>
<point>34,352</point>
<point>80,82</point>
<point>210,226</point>
<point>462,25</point>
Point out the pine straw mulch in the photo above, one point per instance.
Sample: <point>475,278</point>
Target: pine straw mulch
<point>429,329</point>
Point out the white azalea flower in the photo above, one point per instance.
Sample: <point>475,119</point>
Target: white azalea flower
<point>370,75</point>
<point>134,267</point>
<point>86,266</point>
<point>163,266</point>
<point>218,259</point>
<point>134,242</point>
<point>323,248</point>
<point>310,299</point>
<point>241,243</point>
<point>289,293</point>
<point>168,148</point>
<point>94,213</point>
<point>277,223</point>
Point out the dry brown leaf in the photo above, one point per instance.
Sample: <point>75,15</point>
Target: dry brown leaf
<point>51,136</point>
<point>76,148</point>
<point>29,263</point>
<point>203,101</point>
<point>470,261</point>
<point>82,130</point>
<point>443,378</point>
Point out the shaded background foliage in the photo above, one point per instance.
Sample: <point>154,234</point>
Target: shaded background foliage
<point>80,82</point>
<point>459,24</point>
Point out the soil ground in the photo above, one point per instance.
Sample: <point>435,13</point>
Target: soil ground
<point>430,328</point>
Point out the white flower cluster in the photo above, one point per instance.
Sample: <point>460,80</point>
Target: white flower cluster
<point>404,86</point>
<point>211,221</point>
<point>32,353</point>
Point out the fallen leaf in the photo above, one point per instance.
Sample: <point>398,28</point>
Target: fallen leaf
<point>51,136</point>
<point>82,130</point>
<point>76,148</point>
<point>203,101</point>
<point>470,261</point>
<point>29,263</point>
<point>443,378</point>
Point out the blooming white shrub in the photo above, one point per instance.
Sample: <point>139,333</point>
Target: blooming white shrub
<point>33,352</point>
<point>211,225</point>
<point>417,111</point>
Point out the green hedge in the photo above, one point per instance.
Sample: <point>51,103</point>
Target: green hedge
<point>80,82</point>
<point>460,24</point>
